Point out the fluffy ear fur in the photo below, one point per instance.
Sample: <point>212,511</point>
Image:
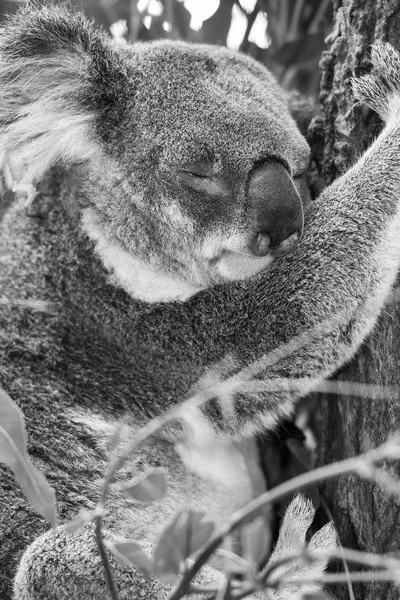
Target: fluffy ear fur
<point>55,72</point>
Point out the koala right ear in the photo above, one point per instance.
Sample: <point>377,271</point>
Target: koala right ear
<point>57,74</point>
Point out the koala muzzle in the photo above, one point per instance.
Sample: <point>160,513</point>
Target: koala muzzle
<point>276,210</point>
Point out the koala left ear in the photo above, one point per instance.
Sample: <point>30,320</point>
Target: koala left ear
<point>57,73</point>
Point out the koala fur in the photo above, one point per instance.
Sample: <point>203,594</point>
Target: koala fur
<point>166,177</point>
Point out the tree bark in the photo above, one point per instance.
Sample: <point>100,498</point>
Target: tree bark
<point>366,517</point>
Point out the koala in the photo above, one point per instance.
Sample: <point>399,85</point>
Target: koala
<point>157,216</point>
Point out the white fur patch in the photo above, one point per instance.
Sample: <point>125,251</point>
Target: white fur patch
<point>235,261</point>
<point>393,113</point>
<point>224,461</point>
<point>136,277</point>
<point>233,266</point>
<point>175,215</point>
<point>46,124</point>
<point>31,146</point>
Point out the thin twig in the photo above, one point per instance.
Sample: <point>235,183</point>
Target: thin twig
<point>319,15</point>
<point>356,576</point>
<point>366,559</point>
<point>304,384</point>
<point>104,558</point>
<point>341,549</point>
<point>251,510</point>
<point>250,22</point>
<point>293,31</point>
<point>283,20</point>
<point>134,21</point>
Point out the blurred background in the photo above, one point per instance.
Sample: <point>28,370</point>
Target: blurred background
<point>286,35</point>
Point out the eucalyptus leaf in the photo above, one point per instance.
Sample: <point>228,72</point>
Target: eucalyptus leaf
<point>233,563</point>
<point>167,558</point>
<point>147,487</point>
<point>256,540</point>
<point>224,592</point>
<point>131,553</point>
<point>13,454</point>
<point>184,536</point>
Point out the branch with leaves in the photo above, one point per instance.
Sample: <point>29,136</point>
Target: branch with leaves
<point>190,536</point>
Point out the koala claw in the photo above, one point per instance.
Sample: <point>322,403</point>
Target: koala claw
<point>380,89</point>
<point>292,540</point>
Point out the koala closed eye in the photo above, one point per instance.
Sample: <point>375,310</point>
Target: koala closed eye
<point>205,182</point>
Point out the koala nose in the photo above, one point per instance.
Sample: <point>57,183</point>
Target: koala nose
<point>276,210</point>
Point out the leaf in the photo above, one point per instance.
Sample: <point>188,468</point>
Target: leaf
<point>184,536</point>
<point>256,539</point>
<point>191,532</point>
<point>195,532</point>
<point>84,517</point>
<point>13,454</point>
<point>167,559</point>
<point>131,553</point>
<point>224,592</point>
<point>147,487</point>
<point>233,563</point>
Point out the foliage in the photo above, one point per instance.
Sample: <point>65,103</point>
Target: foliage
<point>13,453</point>
<point>190,535</point>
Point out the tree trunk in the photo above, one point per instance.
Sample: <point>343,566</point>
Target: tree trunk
<point>366,517</point>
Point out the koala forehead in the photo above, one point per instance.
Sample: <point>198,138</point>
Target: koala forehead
<point>189,102</point>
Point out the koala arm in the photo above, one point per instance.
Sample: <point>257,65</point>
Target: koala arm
<point>324,298</point>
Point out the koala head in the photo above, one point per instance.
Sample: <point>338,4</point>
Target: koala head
<point>183,158</point>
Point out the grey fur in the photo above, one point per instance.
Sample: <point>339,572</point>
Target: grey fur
<point>139,114</point>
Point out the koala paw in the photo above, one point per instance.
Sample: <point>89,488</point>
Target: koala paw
<point>380,89</point>
<point>292,540</point>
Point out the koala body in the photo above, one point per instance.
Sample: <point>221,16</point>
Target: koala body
<point>167,202</point>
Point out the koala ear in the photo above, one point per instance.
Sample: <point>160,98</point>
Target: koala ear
<point>55,76</point>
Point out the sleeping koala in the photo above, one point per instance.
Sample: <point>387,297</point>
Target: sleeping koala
<point>188,174</point>
<point>167,202</point>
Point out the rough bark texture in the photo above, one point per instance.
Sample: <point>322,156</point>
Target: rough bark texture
<point>366,517</point>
